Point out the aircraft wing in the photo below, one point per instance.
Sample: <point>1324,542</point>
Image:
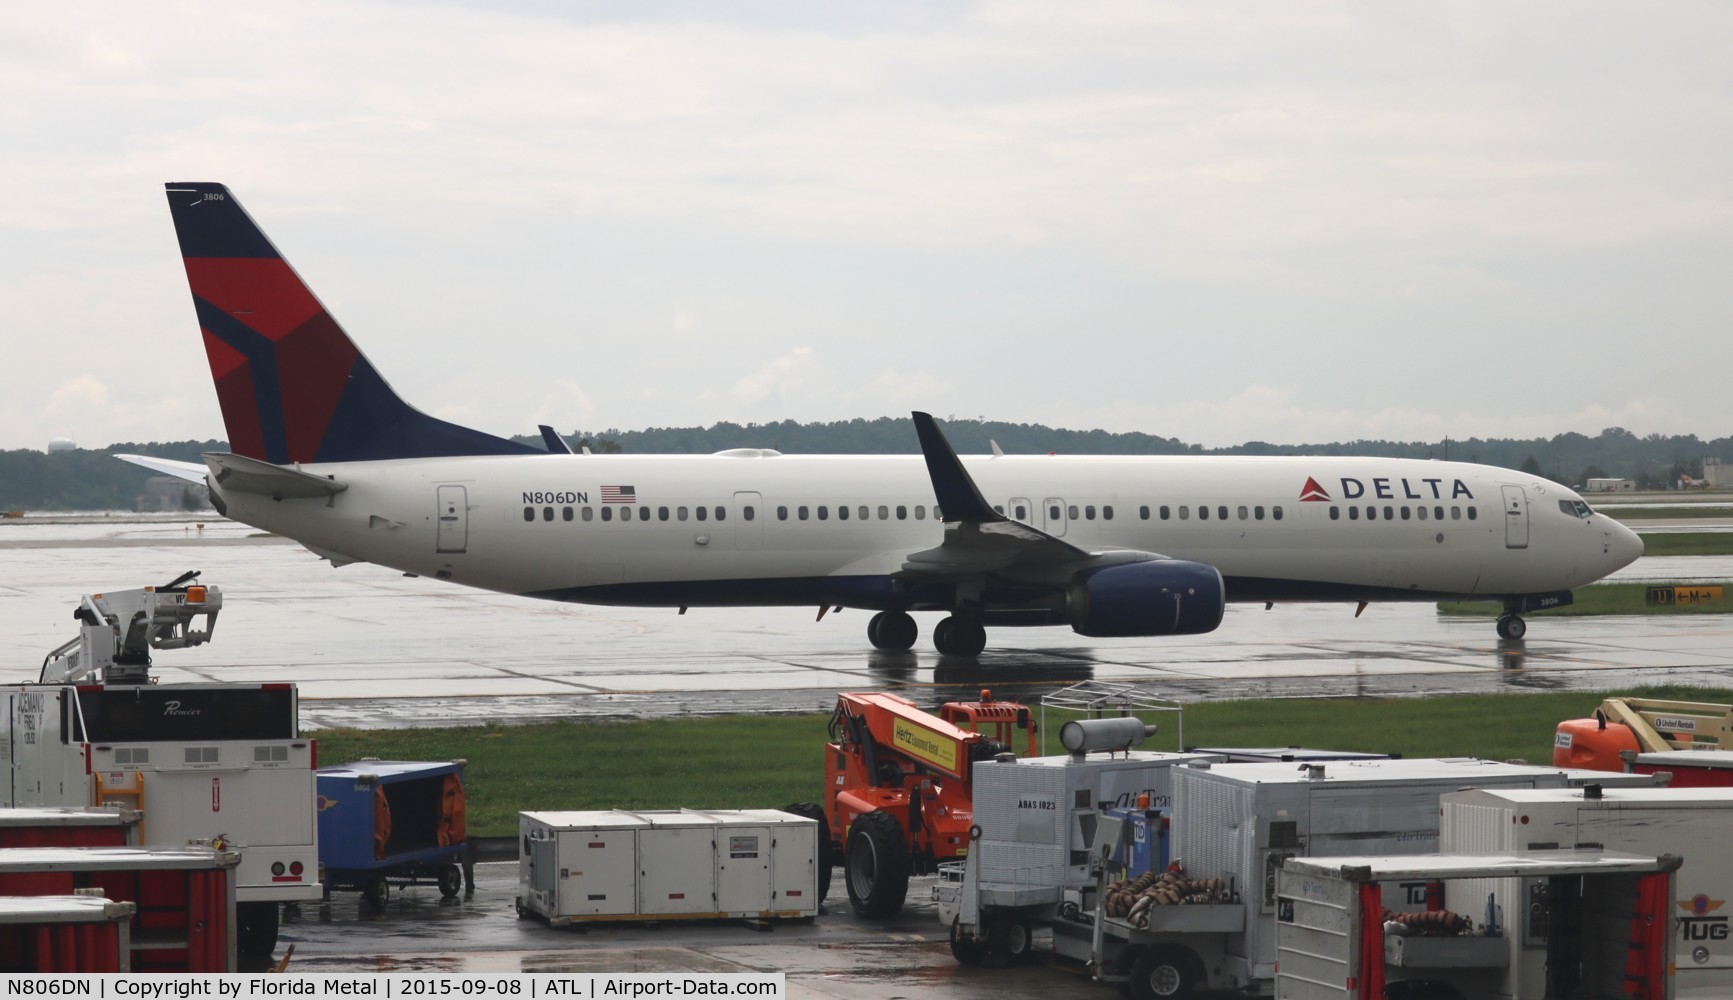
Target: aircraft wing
<point>979,539</point>
<point>192,472</point>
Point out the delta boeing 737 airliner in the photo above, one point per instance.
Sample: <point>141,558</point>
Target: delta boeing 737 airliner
<point>325,453</point>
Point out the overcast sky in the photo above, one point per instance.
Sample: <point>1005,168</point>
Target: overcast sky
<point>1287,222</point>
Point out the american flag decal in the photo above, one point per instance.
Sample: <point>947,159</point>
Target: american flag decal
<point>619,494</point>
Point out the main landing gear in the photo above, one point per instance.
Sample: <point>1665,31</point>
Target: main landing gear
<point>895,632</point>
<point>956,636</point>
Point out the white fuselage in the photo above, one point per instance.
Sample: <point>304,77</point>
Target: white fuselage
<point>1276,528</point>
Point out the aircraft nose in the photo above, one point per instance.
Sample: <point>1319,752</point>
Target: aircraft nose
<point>1624,547</point>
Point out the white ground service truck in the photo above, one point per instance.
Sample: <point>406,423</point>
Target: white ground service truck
<point>1690,822</point>
<point>207,761</point>
<point>1238,823</point>
<point>1583,925</point>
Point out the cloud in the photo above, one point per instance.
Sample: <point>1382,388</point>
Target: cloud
<point>779,379</point>
<point>1132,213</point>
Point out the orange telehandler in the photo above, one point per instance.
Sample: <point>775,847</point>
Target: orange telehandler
<point>897,789</point>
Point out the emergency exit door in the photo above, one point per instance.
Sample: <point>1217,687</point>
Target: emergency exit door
<point>453,519</point>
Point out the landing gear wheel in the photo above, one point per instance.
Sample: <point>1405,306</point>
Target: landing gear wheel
<point>450,881</point>
<point>955,636</point>
<point>1162,974</point>
<point>1511,627</point>
<point>964,947</point>
<point>892,631</point>
<point>876,865</point>
<point>256,930</point>
<point>826,850</point>
<point>376,892</point>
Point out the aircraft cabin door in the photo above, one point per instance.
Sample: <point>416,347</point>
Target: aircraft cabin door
<point>453,519</point>
<point>749,529</point>
<point>1020,509</point>
<point>1515,518</point>
<point>1053,516</point>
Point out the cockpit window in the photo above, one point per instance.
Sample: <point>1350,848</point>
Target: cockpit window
<point>1575,508</point>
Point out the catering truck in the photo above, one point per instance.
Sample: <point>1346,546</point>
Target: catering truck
<point>217,762</point>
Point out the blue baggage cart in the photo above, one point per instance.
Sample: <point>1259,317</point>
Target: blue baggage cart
<point>385,823</point>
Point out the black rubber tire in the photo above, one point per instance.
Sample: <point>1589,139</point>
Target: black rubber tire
<point>876,865</point>
<point>893,631</point>
<point>826,849</point>
<point>1512,627</point>
<point>256,929</point>
<point>964,948</point>
<point>1163,974</point>
<point>376,892</point>
<point>1017,939</point>
<point>942,636</point>
<point>450,881</point>
<point>959,637</point>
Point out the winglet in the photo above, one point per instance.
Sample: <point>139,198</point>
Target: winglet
<point>958,497</point>
<point>556,444</point>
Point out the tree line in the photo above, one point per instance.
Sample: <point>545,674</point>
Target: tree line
<point>92,479</point>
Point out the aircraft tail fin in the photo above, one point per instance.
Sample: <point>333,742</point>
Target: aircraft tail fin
<point>292,385</point>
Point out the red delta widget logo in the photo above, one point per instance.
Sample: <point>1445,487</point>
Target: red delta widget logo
<point>1385,488</point>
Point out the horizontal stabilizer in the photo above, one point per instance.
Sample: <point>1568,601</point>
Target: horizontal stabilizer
<point>248,475</point>
<point>192,472</point>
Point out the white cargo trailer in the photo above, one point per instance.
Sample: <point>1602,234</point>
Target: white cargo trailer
<point>1589,925</point>
<point>1692,823</point>
<point>1239,822</point>
<point>610,865</point>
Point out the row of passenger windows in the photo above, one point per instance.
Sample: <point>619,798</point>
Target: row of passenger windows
<point>1392,513</point>
<point>1220,512</point>
<point>644,513</point>
<point>748,513</point>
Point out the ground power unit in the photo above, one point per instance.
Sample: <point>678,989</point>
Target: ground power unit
<point>599,866</point>
<point>1240,822</point>
<point>1690,822</point>
<point>1036,820</point>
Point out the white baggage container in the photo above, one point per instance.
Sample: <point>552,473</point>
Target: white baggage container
<point>654,865</point>
<point>1241,821</point>
<point>1692,823</point>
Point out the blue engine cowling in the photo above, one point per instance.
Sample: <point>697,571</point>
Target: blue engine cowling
<point>1158,597</point>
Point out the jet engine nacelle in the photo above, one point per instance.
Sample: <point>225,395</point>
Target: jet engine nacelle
<point>1158,597</point>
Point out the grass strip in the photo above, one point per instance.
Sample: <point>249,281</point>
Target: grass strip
<point>1687,543</point>
<point>1663,513</point>
<point>1599,599</point>
<point>771,761</point>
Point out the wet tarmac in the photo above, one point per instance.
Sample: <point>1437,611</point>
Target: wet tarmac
<point>836,955</point>
<point>370,647</point>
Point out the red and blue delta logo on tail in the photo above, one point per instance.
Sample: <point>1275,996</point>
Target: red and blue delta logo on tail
<point>292,386</point>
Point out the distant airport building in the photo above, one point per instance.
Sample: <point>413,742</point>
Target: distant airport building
<point>1611,485</point>
<point>1716,473</point>
<point>62,444</point>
